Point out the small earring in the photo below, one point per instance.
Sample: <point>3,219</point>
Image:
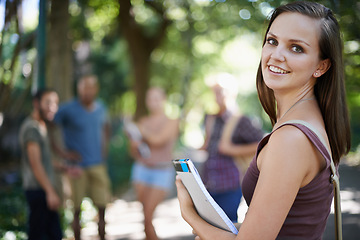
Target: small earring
<point>316,74</point>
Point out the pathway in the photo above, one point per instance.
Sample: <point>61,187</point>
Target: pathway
<point>124,216</point>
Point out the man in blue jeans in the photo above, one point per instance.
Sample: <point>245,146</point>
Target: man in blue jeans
<point>37,169</point>
<point>85,125</point>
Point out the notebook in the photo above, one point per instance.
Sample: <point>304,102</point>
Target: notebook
<point>205,205</point>
<point>134,133</point>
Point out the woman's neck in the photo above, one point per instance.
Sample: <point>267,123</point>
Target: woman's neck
<point>286,103</point>
<point>157,114</point>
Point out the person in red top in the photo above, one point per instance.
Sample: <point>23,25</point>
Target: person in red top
<point>300,78</point>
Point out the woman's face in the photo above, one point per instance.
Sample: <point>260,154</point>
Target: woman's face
<point>290,55</point>
<point>155,100</point>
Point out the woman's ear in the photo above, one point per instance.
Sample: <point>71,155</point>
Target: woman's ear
<point>323,66</point>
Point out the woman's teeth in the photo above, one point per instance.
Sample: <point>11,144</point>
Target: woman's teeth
<point>277,70</point>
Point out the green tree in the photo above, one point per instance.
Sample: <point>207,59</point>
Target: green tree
<point>59,58</point>
<point>349,17</point>
<point>141,43</point>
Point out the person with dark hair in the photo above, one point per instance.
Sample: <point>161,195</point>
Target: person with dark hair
<point>86,129</point>
<point>300,84</point>
<point>37,169</point>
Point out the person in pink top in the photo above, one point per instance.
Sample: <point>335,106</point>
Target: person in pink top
<point>300,78</point>
<point>153,173</point>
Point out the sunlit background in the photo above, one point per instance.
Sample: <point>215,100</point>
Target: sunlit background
<point>202,42</point>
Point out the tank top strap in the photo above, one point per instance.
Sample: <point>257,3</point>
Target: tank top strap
<point>314,136</point>
<point>320,144</point>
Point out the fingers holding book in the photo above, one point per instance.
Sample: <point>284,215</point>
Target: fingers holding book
<point>186,204</point>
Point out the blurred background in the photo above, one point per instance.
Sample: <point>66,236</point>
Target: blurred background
<point>179,45</point>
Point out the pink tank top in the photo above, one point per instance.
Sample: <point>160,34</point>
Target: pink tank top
<point>308,215</point>
<point>161,155</point>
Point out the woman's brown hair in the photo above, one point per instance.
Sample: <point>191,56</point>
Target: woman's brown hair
<point>329,88</point>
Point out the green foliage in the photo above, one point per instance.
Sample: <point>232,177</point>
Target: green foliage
<point>349,17</point>
<point>119,161</point>
<point>112,68</point>
<point>13,212</point>
<point>200,34</point>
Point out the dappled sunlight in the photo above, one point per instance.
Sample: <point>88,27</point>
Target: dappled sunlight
<point>125,221</point>
<point>168,220</point>
<point>193,134</point>
<point>350,202</point>
<point>242,56</point>
<point>124,216</point>
<point>1,118</point>
<point>266,8</point>
<point>30,14</point>
<point>177,45</point>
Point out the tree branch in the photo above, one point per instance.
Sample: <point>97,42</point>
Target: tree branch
<point>156,7</point>
<point>155,41</point>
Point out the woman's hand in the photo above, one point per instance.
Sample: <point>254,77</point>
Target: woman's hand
<point>133,148</point>
<point>186,204</point>
<point>201,228</point>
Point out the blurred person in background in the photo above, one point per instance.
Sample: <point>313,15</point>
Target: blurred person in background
<point>153,173</point>
<point>37,169</point>
<point>230,139</point>
<point>86,128</point>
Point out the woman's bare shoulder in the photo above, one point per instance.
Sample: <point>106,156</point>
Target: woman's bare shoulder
<point>294,132</point>
<point>289,144</point>
<point>287,136</point>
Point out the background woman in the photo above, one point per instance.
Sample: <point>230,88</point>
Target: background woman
<point>153,175</point>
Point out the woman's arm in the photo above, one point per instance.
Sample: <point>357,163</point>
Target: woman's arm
<point>289,161</point>
<point>203,229</point>
<point>133,149</point>
<point>226,145</point>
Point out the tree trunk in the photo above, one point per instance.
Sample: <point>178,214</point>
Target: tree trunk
<point>141,72</point>
<point>140,47</point>
<point>7,83</point>
<point>59,71</point>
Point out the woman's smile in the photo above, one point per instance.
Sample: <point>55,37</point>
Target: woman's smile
<point>291,52</point>
<point>277,70</point>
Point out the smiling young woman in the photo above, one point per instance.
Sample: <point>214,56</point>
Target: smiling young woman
<point>300,84</point>
<point>329,88</point>
<point>290,54</point>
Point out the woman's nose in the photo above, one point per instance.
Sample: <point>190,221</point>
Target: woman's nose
<point>278,54</point>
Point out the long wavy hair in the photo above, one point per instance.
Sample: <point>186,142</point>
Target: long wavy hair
<point>329,88</point>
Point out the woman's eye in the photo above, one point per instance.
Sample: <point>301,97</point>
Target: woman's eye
<point>271,41</point>
<point>297,49</point>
